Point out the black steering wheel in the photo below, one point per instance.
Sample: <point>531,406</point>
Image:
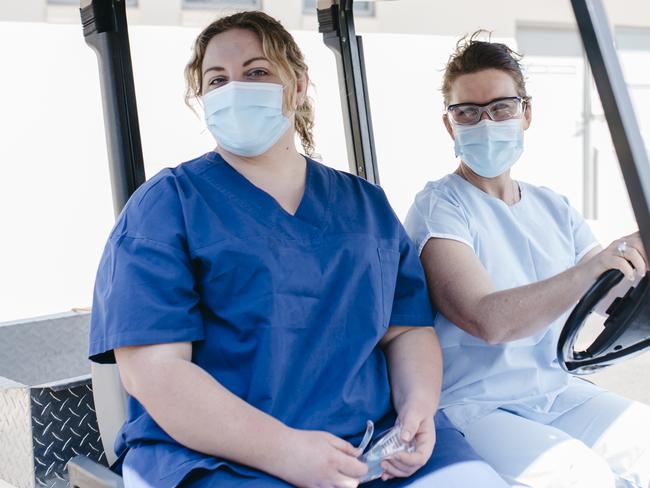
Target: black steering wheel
<point>626,332</point>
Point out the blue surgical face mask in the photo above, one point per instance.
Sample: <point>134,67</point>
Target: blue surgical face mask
<point>489,148</point>
<point>246,118</point>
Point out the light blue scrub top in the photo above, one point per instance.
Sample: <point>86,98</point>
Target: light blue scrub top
<point>534,239</point>
<point>284,311</point>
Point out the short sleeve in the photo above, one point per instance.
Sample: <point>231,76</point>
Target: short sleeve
<point>431,215</point>
<point>145,287</point>
<point>583,238</point>
<point>411,304</point>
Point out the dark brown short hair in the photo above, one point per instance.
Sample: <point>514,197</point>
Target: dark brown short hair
<point>472,55</point>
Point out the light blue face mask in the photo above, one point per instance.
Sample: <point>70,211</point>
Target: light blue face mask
<point>246,118</point>
<point>489,148</point>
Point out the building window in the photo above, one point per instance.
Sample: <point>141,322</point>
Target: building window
<point>632,38</point>
<point>634,52</point>
<point>207,4</point>
<point>129,3</point>
<point>557,76</point>
<point>360,8</point>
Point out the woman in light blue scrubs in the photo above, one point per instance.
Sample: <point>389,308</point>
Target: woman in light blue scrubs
<point>505,261</point>
<point>263,307</point>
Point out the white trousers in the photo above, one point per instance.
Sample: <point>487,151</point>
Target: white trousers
<point>603,443</point>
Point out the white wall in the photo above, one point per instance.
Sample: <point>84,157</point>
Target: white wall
<point>55,201</point>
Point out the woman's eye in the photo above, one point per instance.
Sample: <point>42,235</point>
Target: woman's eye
<point>468,112</point>
<point>216,81</point>
<point>504,107</point>
<point>257,73</point>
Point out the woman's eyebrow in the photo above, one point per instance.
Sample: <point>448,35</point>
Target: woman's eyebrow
<point>213,68</point>
<point>246,63</point>
<point>251,60</point>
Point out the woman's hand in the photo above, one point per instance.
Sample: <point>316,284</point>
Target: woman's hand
<point>625,254</point>
<point>320,459</point>
<point>417,423</point>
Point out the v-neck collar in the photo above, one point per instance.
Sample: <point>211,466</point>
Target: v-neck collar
<point>486,196</point>
<point>310,216</point>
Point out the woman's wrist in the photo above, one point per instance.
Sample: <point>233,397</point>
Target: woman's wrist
<point>589,271</point>
<point>426,404</point>
<point>275,449</point>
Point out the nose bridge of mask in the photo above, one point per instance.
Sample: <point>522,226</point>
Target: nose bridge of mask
<point>506,130</point>
<point>489,131</point>
<point>240,93</point>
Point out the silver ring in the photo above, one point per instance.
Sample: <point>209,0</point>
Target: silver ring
<point>622,247</point>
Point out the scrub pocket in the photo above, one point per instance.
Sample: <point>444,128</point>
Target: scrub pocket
<point>389,266</point>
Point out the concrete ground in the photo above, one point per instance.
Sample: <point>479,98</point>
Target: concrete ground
<point>630,379</point>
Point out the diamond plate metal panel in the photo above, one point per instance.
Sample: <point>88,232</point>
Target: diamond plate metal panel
<point>16,461</point>
<point>64,425</point>
<point>47,413</point>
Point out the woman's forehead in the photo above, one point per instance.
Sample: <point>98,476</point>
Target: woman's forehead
<point>482,86</point>
<point>233,45</point>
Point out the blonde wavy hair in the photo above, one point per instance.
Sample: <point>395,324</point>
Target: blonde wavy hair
<point>278,47</point>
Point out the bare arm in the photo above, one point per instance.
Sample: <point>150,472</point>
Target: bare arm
<point>415,366</point>
<point>198,412</point>
<point>462,290</point>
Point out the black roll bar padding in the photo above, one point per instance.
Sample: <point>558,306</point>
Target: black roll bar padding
<point>105,30</point>
<point>336,23</point>
<point>617,105</point>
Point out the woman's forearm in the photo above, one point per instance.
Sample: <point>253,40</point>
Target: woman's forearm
<point>464,292</point>
<point>415,366</point>
<point>201,414</point>
<point>521,312</point>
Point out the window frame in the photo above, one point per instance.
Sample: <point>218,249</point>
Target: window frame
<point>215,4</point>
<point>129,3</point>
<point>368,9</point>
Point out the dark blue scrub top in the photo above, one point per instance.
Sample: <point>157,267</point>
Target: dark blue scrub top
<point>284,311</point>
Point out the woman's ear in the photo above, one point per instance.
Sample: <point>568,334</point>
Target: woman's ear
<point>450,129</point>
<point>302,84</point>
<point>528,114</point>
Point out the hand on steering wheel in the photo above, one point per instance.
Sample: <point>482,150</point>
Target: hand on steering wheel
<point>625,254</point>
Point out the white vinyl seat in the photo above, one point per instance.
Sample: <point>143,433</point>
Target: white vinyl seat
<point>110,405</point>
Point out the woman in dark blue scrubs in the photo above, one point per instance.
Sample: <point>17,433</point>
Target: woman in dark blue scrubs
<point>261,306</point>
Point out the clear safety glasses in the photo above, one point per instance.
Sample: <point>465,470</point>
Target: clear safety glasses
<point>498,110</point>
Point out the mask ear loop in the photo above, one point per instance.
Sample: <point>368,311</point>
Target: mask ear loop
<point>370,430</point>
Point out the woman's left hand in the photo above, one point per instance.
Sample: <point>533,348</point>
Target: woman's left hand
<point>417,423</point>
